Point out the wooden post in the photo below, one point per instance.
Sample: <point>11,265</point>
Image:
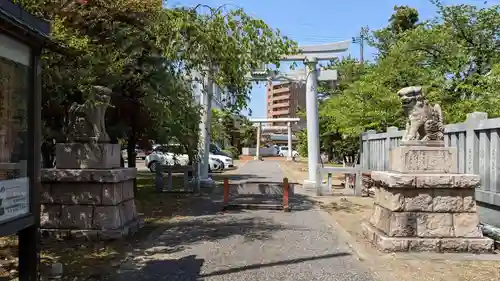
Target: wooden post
<point>226,192</point>
<point>286,189</point>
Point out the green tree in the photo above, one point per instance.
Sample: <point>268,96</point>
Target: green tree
<point>403,19</point>
<point>145,54</point>
<point>220,130</point>
<point>228,45</point>
<point>248,132</point>
<point>455,72</point>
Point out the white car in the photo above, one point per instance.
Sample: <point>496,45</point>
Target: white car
<point>158,157</point>
<point>227,161</point>
<point>139,153</point>
<point>283,151</point>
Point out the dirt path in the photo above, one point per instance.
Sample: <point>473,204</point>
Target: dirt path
<point>248,245</point>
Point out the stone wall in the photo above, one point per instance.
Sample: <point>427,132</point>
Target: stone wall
<point>91,204</point>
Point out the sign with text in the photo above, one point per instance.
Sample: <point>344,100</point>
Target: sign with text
<point>14,198</point>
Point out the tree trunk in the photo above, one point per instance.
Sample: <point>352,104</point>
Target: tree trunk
<point>131,149</point>
<point>330,153</point>
<point>48,154</point>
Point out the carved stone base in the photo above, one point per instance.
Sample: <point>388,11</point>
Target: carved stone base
<point>425,212</point>
<point>87,156</point>
<point>423,159</point>
<point>417,244</point>
<point>91,204</point>
<point>95,235</point>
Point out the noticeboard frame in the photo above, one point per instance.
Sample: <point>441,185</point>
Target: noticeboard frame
<point>26,29</point>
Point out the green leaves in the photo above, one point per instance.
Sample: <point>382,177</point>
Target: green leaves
<point>146,53</point>
<point>455,57</point>
<point>230,43</point>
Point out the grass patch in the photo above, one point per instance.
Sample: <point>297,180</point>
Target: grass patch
<point>95,260</point>
<point>160,205</point>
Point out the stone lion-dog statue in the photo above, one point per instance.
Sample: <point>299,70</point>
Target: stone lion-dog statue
<point>424,122</point>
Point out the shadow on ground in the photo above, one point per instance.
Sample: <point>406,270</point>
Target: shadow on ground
<point>245,189</point>
<point>234,177</point>
<point>189,268</point>
<point>212,228</point>
<point>201,220</point>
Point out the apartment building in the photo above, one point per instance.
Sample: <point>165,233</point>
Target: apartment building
<point>285,100</point>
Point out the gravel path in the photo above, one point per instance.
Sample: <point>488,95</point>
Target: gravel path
<point>248,245</point>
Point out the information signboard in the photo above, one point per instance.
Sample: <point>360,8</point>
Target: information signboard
<point>14,198</point>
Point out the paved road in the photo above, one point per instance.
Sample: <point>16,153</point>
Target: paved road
<point>249,245</point>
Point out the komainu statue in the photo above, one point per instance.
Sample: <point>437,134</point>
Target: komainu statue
<point>425,122</point>
<point>86,121</point>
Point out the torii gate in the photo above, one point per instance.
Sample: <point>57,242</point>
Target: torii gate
<point>289,122</point>
<point>310,55</point>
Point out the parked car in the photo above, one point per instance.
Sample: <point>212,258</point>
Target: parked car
<point>218,153</point>
<point>226,161</point>
<point>283,151</point>
<point>215,165</point>
<point>160,155</point>
<point>139,153</point>
<point>215,149</point>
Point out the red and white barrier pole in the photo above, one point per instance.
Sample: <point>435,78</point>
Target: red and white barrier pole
<point>286,189</point>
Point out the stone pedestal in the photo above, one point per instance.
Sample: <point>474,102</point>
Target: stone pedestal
<point>88,203</point>
<point>423,204</point>
<point>87,155</point>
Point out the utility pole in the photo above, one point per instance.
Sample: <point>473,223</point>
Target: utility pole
<point>361,41</point>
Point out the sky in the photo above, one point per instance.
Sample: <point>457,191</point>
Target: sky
<point>321,21</point>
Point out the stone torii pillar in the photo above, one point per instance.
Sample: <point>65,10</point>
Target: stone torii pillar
<point>290,154</point>
<point>310,55</point>
<point>257,148</point>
